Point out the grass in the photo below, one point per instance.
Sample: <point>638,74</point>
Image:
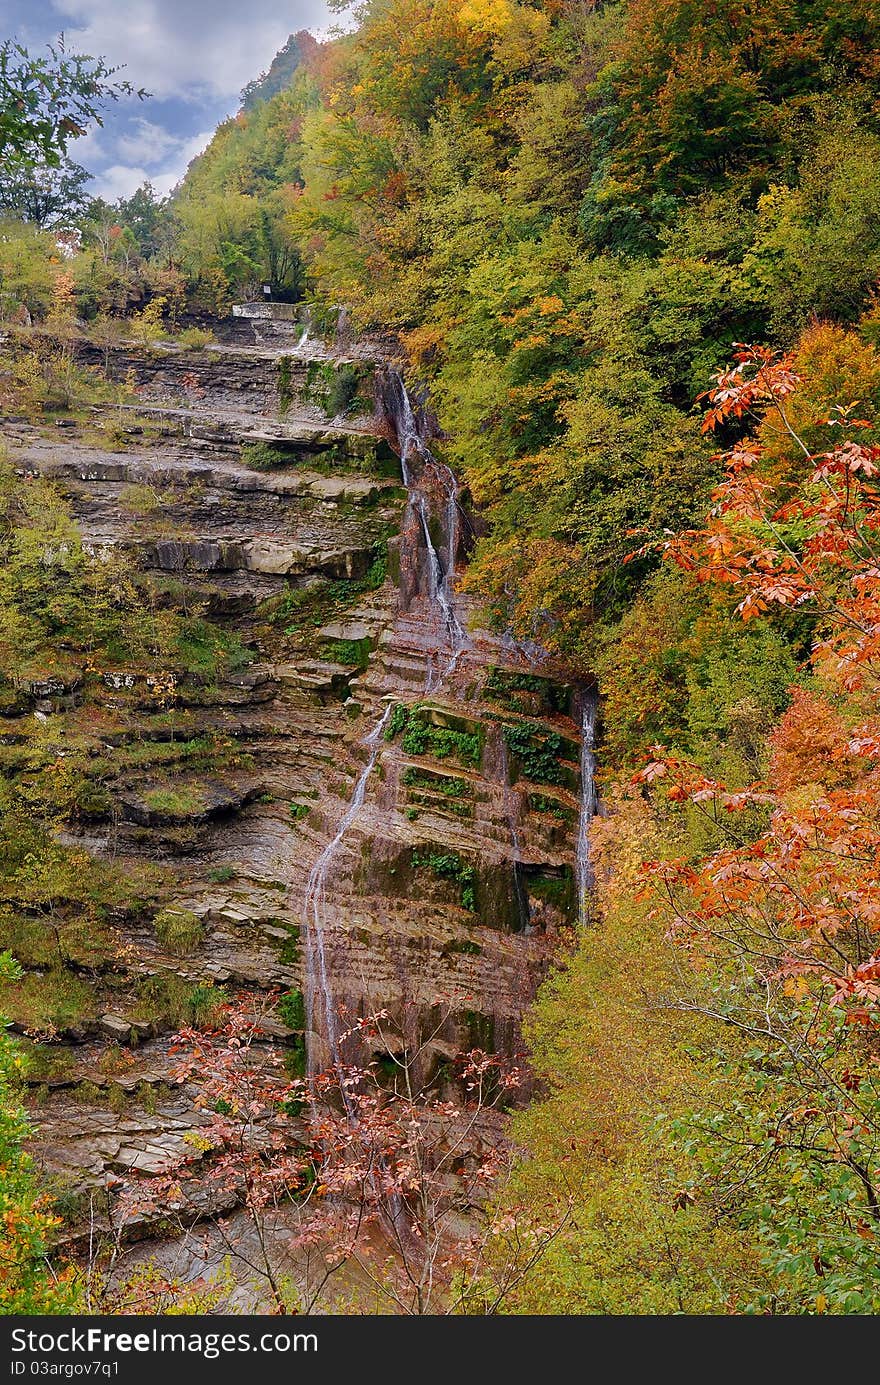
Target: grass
<point>50,1002</point>
<point>139,499</point>
<point>194,338</point>
<point>175,803</point>
<point>308,608</point>
<point>222,875</point>
<point>171,1001</point>
<point>45,1062</point>
<point>179,930</point>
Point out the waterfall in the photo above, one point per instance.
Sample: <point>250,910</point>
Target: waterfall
<point>317,978</point>
<point>589,802</point>
<point>422,474</point>
<point>412,440</point>
<point>307,323</point>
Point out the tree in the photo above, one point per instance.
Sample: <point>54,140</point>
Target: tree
<point>47,101</point>
<point>50,195</point>
<point>363,1168</point>
<point>785,918</point>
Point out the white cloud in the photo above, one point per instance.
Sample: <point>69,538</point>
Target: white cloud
<point>146,143</point>
<point>190,49</point>
<point>122,179</point>
<point>119,180</point>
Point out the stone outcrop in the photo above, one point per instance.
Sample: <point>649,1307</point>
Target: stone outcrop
<point>446,896</point>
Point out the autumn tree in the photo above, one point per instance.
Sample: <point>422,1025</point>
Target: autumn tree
<point>786,916</point>
<point>355,1170</point>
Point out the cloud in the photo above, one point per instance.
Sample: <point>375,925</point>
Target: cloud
<point>194,49</point>
<point>122,179</point>
<point>146,143</point>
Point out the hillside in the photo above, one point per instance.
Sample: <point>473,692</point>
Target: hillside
<point>515,574</point>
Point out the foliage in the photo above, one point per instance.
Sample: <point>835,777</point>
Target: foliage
<point>448,865</point>
<point>47,101</point>
<point>26,1223</point>
<point>782,922</point>
<point>194,339</point>
<point>537,751</point>
<point>422,737</point>
<point>376,1163</point>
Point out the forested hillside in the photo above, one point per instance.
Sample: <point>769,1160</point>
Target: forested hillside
<point>630,254</point>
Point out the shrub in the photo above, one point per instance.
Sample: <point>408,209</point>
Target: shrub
<point>195,339</point>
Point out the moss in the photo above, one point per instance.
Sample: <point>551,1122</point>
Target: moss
<point>262,456</point>
<point>298,811</point>
<point>285,388</point>
<point>437,783</point>
<point>349,653</point>
<point>170,1001</point>
<point>45,1062</point>
<point>541,803</point>
<point>175,803</point>
<point>557,890</point>
<point>448,865</point>
<point>527,692</point>
<point>292,1010</point>
<point>480,1031</point>
<point>50,1002</point>
<point>310,607</point>
<point>465,946</point>
<point>422,737</point>
<point>289,952</point>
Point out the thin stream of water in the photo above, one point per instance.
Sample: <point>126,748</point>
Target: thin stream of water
<point>589,804</point>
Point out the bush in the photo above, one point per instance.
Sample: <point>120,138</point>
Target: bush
<point>195,339</point>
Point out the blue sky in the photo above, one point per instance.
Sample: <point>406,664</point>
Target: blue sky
<point>193,55</point>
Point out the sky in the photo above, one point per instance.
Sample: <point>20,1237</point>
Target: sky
<point>193,56</point>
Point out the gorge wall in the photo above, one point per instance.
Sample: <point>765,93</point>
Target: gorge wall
<point>384,811</point>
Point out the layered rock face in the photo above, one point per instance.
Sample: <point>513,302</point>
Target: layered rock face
<point>394,825</point>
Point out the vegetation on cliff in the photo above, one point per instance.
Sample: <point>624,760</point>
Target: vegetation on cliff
<point>571,215</point>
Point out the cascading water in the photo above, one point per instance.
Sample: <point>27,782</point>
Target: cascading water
<point>317,977</point>
<point>421,480</point>
<point>432,473</point>
<point>589,803</point>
